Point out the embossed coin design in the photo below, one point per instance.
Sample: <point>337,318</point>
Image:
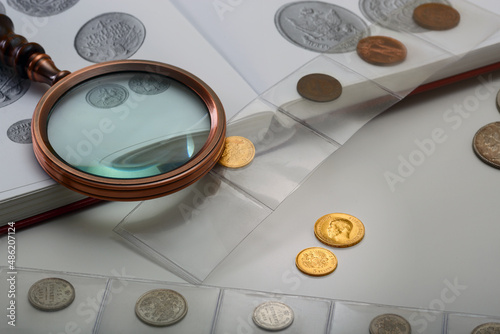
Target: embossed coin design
<point>51,294</point>
<point>436,16</point>
<point>319,87</point>
<point>316,261</point>
<point>148,84</point>
<point>381,50</point>
<point>389,323</point>
<point>107,96</point>
<point>161,307</point>
<point>487,328</point>
<point>238,152</point>
<point>320,26</point>
<point>110,36</point>
<point>486,144</point>
<point>20,132</point>
<point>339,230</point>
<point>41,8</point>
<point>12,87</point>
<point>273,316</point>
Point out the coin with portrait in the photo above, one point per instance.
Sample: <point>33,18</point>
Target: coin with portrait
<point>339,230</point>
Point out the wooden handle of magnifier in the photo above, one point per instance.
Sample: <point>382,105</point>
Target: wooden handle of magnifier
<point>27,59</point>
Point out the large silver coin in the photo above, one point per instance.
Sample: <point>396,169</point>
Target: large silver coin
<point>107,96</point>
<point>389,323</point>
<point>148,84</point>
<point>486,144</point>
<point>161,307</point>
<point>273,316</point>
<point>320,26</point>
<point>488,328</point>
<point>20,132</point>
<point>110,36</point>
<point>41,8</point>
<point>395,15</point>
<point>51,294</point>
<point>12,87</point>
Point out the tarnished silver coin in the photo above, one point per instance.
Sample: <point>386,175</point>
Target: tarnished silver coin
<point>161,307</point>
<point>107,96</point>
<point>486,144</point>
<point>320,26</point>
<point>110,36</point>
<point>41,8</point>
<point>12,87</point>
<point>148,84</point>
<point>389,323</point>
<point>273,316</point>
<point>51,294</point>
<point>395,15</point>
<point>487,328</point>
<point>20,132</point>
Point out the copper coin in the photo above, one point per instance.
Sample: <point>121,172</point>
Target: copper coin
<point>319,87</point>
<point>436,16</point>
<point>486,144</point>
<point>381,50</point>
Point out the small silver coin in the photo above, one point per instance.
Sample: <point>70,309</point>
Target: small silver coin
<point>395,15</point>
<point>20,132</point>
<point>161,307</point>
<point>110,36</point>
<point>148,84</point>
<point>389,323</point>
<point>273,316</point>
<point>320,26</point>
<point>107,96</point>
<point>41,8</point>
<point>51,294</point>
<point>12,87</point>
<point>487,328</point>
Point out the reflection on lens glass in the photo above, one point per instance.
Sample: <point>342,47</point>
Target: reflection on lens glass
<point>128,125</point>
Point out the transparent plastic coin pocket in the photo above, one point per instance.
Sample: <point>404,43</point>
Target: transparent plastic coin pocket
<point>191,231</point>
<point>458,323</point>
<point>281,146</point>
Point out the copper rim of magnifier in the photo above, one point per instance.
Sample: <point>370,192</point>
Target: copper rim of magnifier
<point>129,189</point>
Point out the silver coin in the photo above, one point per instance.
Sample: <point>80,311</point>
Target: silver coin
<point>107,96</point>
<point>12,87</point>
<point>110,36</point>
<point>161,307</point>
<point>487,328</point>
<point>320,26</point>
<point>51,294</point>
<point>41,8</point>
<point>20,132</point>
<point>389,324</point>
<point>273,316</point>
<point>395,15</point>
<point>148,84</point>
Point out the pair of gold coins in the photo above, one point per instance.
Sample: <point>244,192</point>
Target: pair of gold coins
<point>336,230</point>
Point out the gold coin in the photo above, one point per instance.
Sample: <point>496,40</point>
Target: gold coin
<point>339,230</point>
<point>319,87</point>
<point>381,50</point>
<point>436,16</point>
<point>486,144</point>
<point>316,261</point>
<point>238,152</point>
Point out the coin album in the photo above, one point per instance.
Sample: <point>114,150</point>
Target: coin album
<point>105,304</point>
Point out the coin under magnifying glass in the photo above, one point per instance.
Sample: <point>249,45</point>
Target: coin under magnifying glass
<point>486,144</point>
<point>381,50</point>
<point>487,328</point>
<point>273,316</point>
<point>238,152</point>
<point>436,16</point>
<point>316,261</point>
<point>339,230</point>
<point>51,294</point>
<point>319,87</point>
<point>389,323</point>
<point>161,307</point>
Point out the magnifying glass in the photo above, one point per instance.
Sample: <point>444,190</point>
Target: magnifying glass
<point>119,130</point>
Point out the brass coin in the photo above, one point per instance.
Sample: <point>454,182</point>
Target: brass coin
<point>486,144</point>
<point>436,16</point>
<point>51,294</point>
<point>487,328</point>
<point>389,323</point>
<point>319,87</point>
<point>339,230</point>
<point>316,261</point>
<point>238,152</point>
<point>381,50</point>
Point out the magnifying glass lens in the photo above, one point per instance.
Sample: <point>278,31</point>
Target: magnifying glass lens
<point>128,125</point>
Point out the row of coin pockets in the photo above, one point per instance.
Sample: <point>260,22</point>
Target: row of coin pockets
<point>107,305</point>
